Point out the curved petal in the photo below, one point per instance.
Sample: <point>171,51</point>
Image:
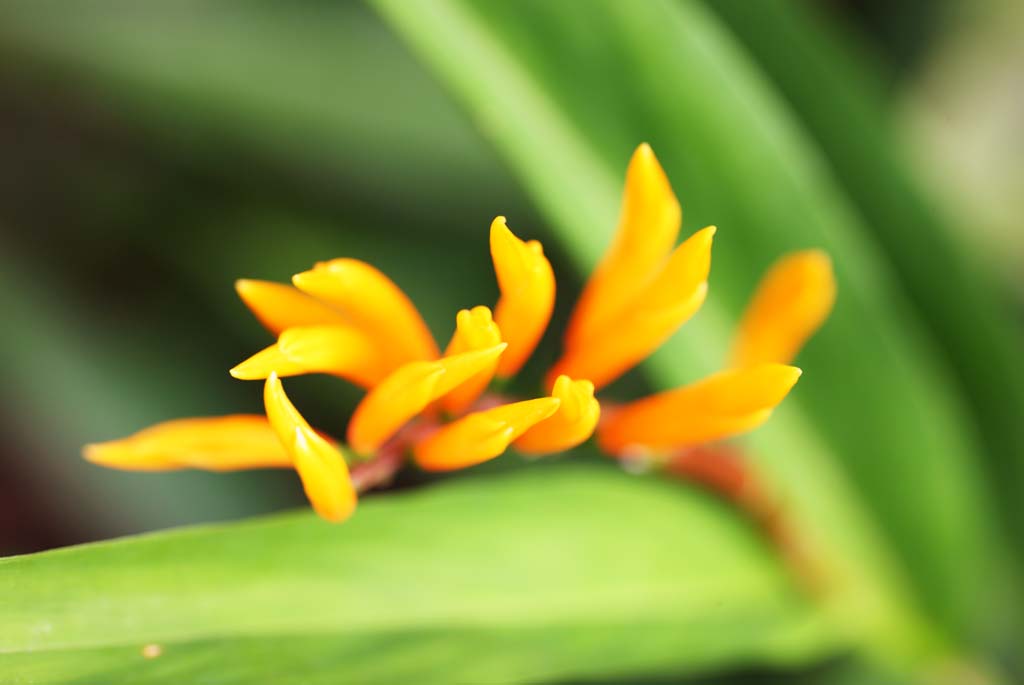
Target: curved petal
<point>269,360</point>
<point>343,351</point>
<point>527,286</point>
<point>571,425</point>
<point>648,227</point>
<point>668,301</point>
<point>279,306</point>
<point>481,436</point>
<point>216,443</point>
<point>409,390</point>
<point>474,330</point>
<point>792,302</point>
<point>320,465</point>
<point>721,405</point>
<point>372,302</point>
<point>339,350</point>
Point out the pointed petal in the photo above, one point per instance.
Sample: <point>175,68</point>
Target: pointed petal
<point>721,405</point>
<point>527,286</point>
<point>481,436</point>
<point>279,306</point>
<point>571,425</point>
<point>474,330</point>
<point>686,269</point>
<point>409,390</point>
<point>790,304</point>
<point>675,295</point>
<point>268,360</point>
<point>320,465</point>
<point>375,304</point>
<point>343,351</point>
<point>221,443</point>
<point>647,230</point>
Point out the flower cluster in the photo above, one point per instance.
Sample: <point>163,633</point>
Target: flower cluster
<point>345,318</point>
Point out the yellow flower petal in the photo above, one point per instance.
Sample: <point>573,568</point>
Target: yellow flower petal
<point>527,286</point>
<point>221,443</point>
<point>319,464</point>
<point>265,362</point>
<point>341,351</point>
<point>647,230</point>
<point>790,304</point>
<point>668,301</point>
<point>474,330</point>
<point>723,404</point>
<point>409,390</point>
<point>372,302</point>
<point>480,436</point>
<point>279,306</point>
<point>571,425</point>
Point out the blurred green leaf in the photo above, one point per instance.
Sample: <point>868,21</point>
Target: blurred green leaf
<point>842,105</point>
<point>873,455</point>
<point>314,99</point>
<point>531,576</point>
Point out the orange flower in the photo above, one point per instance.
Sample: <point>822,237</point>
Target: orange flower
<point>622,341</point>
<point>573,423</point>
<point>482,435</point>
<point>527,294</point>
<point>716,407</point>
<point>791,303</point>
<point>345,318</point>
<point>474,330</point>
<point>319,464</point>
<point>409,390</point>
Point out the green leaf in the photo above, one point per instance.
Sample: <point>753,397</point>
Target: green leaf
<point>554,571</point>
<point>873,455</point>
<point>841,103</point>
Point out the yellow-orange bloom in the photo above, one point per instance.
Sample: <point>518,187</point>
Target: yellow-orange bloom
<point>723,404</point>
<point>474,330</point>
<point>669,299</point>
<point>407,391</point>
<point>527,286</point>
<point>344,317</point>
<point>319,464</point>
<point>373,303</point>
<point>790,304</point>
<point>219,443</point>
<point>279,307</point>
<point>571,425</point>
<point>340,350</point>
<point>648,227</point>
<point>481,436</point>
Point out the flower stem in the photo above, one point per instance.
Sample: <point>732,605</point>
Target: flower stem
<point>724,471</point>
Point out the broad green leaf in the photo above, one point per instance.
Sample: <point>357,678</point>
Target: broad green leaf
<point>873,455</point>
<point>553,572</point>
<point>841,103</point>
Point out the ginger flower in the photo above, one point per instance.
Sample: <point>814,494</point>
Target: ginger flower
<point>347,319</point>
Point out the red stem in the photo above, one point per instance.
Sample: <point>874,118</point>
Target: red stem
<point>381,469</point>
<point>725,471</point>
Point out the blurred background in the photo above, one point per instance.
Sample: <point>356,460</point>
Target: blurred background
<point>151,153</point>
